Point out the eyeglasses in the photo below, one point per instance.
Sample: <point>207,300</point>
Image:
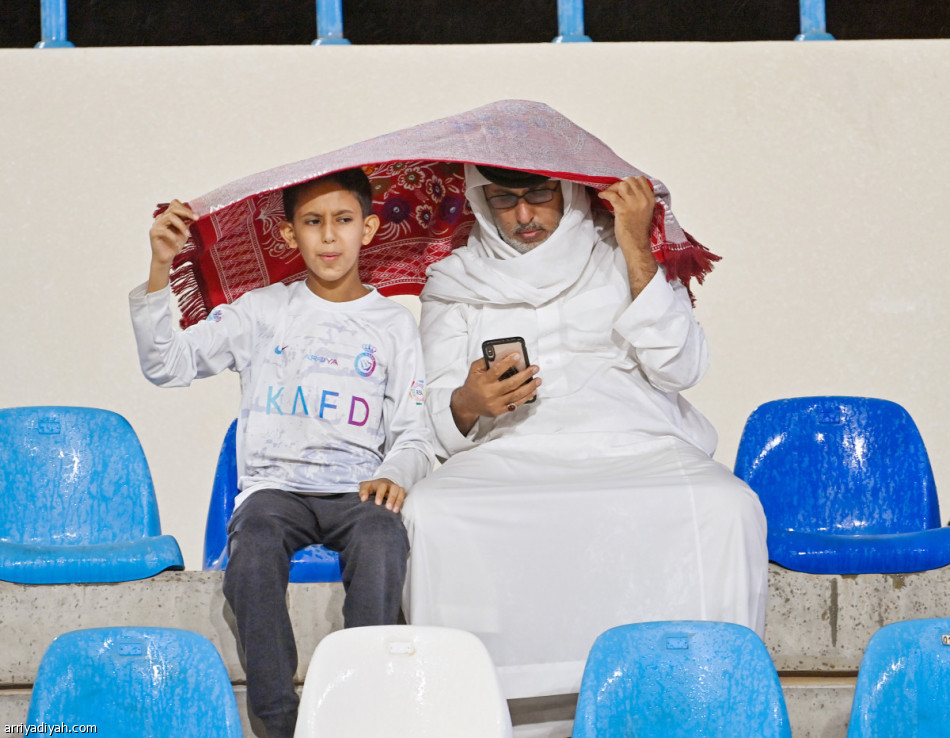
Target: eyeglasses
<point>533,197</point>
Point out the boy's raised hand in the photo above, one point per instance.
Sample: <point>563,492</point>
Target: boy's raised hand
<point>167,235</point>
<point>383,489</point>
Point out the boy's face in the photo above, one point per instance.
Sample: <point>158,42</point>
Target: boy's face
<point>328,229</point>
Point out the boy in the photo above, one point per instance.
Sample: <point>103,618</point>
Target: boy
<point>332,426</point>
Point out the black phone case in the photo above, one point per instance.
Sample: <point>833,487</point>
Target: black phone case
<point>490,354</point>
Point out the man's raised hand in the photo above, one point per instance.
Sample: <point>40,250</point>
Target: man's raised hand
<point>633,203</point>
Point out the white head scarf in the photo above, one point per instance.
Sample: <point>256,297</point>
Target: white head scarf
<point>489,271</point>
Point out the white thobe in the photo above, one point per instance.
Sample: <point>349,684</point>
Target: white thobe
<point>597,505</point>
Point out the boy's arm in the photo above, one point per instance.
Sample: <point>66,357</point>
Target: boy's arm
<point>170,358</point>
<point>168,235</point>
<point>409,455</point>
<point>173,358</point>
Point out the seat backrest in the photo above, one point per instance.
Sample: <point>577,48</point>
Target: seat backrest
<point>402,681</point>
<point>314,563</point>
<point>903,686</point>
<point>223,492</point>
<point>73,475</point>
<point>843,465</point>
<point>680,679</point>
<point>131,681</point>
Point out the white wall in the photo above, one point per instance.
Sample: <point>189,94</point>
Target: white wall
<point>818,171</point>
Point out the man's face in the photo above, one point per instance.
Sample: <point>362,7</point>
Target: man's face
<point>526,223</point>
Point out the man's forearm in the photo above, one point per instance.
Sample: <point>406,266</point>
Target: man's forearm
<point>464,419</point>
<point>663,334</point>
<point>641,268</point>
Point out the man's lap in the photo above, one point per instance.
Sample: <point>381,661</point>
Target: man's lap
<point>497,472</point>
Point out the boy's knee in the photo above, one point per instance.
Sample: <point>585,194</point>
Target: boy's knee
<point>255,538</point>
<point>382,528</point>
<point>254,522</point>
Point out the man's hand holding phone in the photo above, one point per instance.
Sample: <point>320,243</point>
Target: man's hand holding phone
<point>486,393</point>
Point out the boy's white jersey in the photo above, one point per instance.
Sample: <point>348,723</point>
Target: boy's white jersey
<point>332,392</point>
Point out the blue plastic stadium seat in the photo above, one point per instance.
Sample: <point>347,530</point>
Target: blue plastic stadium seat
<point>132,682</point>
<point>680,679</point>
<point>903,687</point>
<point>846,485</point>
<point>314,563</point>
<point>76,499</point>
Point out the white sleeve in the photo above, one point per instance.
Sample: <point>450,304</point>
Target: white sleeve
<point>173,358</point>
<point>445,346</point>
<point>665,337</point>
<point>409,455</point>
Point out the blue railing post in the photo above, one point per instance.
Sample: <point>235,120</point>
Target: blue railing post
<point>570,21</point>
<point>813,21</point>
<point>329,23</point>
<point>53,25</point>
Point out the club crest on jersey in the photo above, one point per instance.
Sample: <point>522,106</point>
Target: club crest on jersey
<point>365,362</point>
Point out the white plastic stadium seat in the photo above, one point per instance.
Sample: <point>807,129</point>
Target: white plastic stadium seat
<point>402,681</point>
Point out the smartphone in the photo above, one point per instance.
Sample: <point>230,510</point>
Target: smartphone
<point>499,348</point>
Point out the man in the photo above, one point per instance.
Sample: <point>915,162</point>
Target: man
<point>598,503</point>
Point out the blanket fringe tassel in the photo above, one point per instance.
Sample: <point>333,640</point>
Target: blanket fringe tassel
<point>191,299</point>
<point>690,263</point>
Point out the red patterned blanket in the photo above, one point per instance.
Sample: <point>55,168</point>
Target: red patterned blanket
<point>418,192</point>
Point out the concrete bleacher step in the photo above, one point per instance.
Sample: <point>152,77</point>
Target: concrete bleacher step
<point>816,629</point>
<point>191,600</point>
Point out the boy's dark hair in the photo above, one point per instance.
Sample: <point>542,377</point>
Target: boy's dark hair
<point>353,180</point>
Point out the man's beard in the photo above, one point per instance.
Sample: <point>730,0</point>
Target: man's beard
<point>520,246</point>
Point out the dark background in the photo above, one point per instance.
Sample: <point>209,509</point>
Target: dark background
<point>221,22</point>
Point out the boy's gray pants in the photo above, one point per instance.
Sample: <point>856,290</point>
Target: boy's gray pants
<point>264,532</point>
